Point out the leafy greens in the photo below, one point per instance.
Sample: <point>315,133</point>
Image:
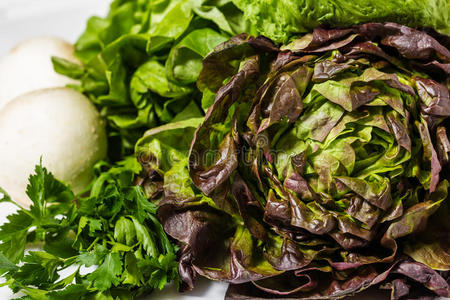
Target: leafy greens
<point>140,63</point>
<point>139,66</point>
<point>114,228</point>
<point>320,169</point>
<point>281,20</point>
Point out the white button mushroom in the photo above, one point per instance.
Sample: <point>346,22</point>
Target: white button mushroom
<point>60,125</point>
<point>28,67</point>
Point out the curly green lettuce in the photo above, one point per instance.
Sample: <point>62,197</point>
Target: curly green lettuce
<point>140,63</point>
<point>281,20</point>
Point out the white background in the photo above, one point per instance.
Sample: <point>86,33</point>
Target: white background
<point>22,19</point>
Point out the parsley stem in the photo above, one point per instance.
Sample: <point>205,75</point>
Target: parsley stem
<point>93,244</point>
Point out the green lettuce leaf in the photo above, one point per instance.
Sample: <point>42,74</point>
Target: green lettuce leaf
<point>280,20</point>
<point>140,62</point>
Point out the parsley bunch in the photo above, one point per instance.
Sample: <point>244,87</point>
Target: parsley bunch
<point>114,228</point>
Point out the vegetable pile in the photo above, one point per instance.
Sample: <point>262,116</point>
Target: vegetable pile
<point>291,165</point>
<point>320,170</point>
<point>139,67</point>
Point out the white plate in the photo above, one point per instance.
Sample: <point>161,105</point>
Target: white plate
<point>22,19</point>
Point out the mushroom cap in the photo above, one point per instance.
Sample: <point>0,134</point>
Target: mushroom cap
<point>28,67</point>
<point>60,125</point>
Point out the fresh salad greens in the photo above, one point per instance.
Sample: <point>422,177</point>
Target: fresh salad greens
<point>141,62</point>
<point>114,228</point>
<point>292,165</point>
<point>282,20</point>
<point>139,66</point>
<point>320,170</point>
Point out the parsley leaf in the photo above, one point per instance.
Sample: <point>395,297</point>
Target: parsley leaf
<point>113,228</point>
<point>107,274</point>
<point>43,188</point>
